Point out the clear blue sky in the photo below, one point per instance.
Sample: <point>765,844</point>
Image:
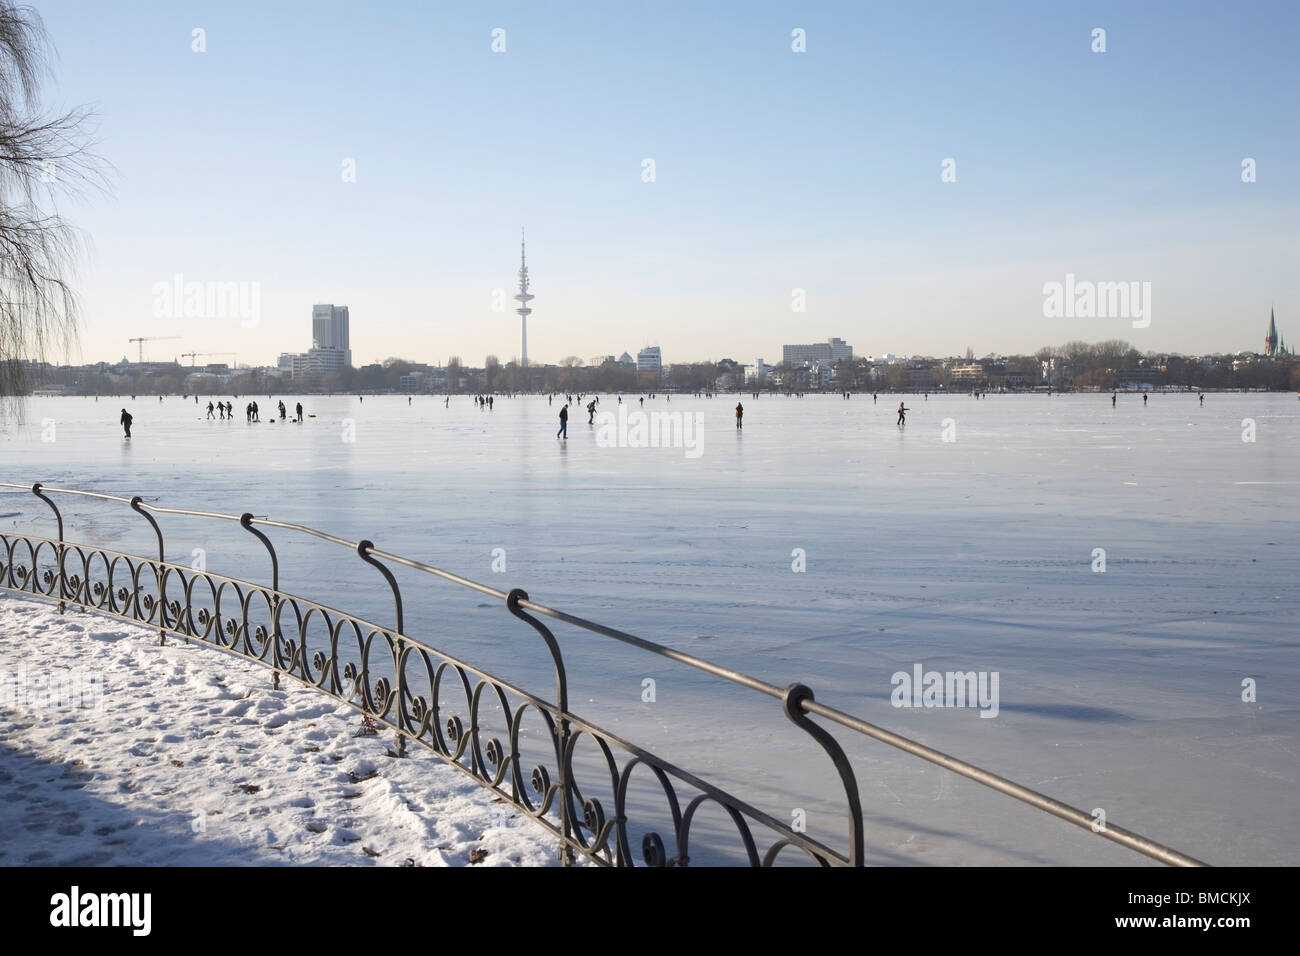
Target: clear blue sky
<point>775,170</point>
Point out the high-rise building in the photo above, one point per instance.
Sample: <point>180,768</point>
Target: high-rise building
<point>329,330</point>
<point>831,351</point>
<point>841,351</point>
<point>649,360</point>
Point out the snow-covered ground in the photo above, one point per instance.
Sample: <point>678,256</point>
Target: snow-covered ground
<point>966,541</point>
<point>115,751</point>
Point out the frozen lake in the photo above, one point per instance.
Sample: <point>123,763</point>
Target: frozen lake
<point>1119,690</point>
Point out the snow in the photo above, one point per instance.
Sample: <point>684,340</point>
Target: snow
<point>1119,690</point>
<point>120,752</point>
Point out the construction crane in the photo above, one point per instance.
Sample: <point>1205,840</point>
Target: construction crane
<point>194,355</point>
<point>149,338</point>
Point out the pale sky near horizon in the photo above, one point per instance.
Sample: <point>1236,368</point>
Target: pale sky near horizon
<point>774,171</point>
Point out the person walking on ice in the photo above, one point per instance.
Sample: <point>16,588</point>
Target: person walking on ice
<point>902,414</point>
<point>126,420</point>
<point>740,415</point>
<point>564,423</point>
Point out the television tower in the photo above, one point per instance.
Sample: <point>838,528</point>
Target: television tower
<point>523,298</point>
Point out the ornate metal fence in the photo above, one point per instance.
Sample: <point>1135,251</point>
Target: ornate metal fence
<point>385,673</point>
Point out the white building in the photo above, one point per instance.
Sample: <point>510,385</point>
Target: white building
<point>329,330</point>
<point>819,374</point>
<point>649,360</point>
<point>832,350</point>
<point>314,364</point>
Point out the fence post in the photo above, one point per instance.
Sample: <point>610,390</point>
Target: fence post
<point>562,725</point>
<point>36,490</point>
<point>246,522</point>
<point>792,703</point>
<point>399,672</point>
<point>158,571</point>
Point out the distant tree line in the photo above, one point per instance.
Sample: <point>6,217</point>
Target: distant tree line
<point>1075,365</point>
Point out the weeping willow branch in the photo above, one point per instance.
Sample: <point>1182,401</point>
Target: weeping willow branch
<point>43,157</point>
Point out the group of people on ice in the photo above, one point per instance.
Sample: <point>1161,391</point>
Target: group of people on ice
<point>225,411</point>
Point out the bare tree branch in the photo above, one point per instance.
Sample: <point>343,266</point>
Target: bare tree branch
<point>42,158</point>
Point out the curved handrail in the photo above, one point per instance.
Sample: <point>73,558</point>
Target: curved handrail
<point>804,704</point>
<point>355,692</point>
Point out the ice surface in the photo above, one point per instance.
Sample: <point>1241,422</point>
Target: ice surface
<point>1118,690</point>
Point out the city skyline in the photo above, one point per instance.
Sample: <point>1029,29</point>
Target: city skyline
<point>731,196</point>
<point>827,352</point>
<point>330,343</point>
